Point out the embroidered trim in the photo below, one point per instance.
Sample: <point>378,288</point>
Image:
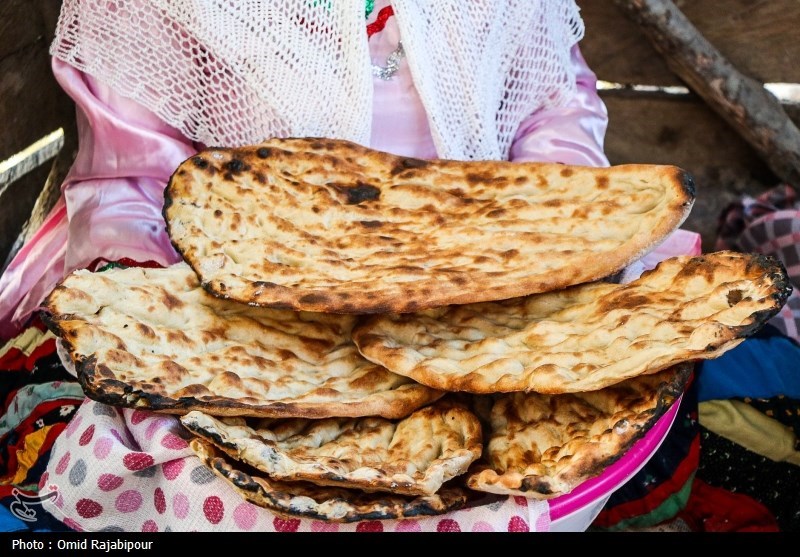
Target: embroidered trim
<point>378,25</point>
<point>368,8</point>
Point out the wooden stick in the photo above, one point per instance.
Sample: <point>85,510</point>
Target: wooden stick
<point>742,101</point>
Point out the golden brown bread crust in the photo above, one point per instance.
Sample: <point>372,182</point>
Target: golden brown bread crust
<point>543,446</point>
<point>335,504</point>
<point>154,339</point>
<point>331,226</point>
<point>411,456</point>
<point>585,337</point>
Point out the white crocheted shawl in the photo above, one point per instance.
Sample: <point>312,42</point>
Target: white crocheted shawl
<point>233,72</point>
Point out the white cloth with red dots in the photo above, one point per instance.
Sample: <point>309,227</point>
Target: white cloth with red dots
<point>131,470</point>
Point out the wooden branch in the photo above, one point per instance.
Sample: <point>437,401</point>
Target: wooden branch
<point>742,101</point>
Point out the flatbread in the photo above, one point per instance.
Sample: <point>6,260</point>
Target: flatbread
<point>154,339</point>
<point>543,446</point>
<point>586,337</point>
<point>412,456</point>
<point>330,226</point>
<point>334,504</point>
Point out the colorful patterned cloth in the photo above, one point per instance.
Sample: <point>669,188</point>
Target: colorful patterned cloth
<point>37,399</point>
<point>768,224</point>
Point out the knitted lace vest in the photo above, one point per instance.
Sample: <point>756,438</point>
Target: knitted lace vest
<point>234,72</point>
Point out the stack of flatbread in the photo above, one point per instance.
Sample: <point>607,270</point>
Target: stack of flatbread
<point>357,335</point>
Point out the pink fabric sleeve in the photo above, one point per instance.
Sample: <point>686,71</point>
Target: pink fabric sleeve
<point>115,190</point>
<point>111,199</point>
<point>569,134</point>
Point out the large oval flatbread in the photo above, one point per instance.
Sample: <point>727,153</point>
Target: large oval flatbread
<point>330,226</point>
<point>411,456</point>
<point>334,504</point>
<point>153,338</point>
<point>543,446</point>
<point>586,337</point>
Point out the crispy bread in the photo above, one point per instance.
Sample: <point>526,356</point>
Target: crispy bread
<point>411,456</point>
<point>153,338</point>
<point>335,504</point>
<point>330,226</point>
<point>543,446</point>
<point>586,337</point>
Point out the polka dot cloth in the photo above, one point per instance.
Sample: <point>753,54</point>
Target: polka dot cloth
<point>131,470</point>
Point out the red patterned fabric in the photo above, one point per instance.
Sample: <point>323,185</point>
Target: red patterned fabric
<point>713,509</point>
